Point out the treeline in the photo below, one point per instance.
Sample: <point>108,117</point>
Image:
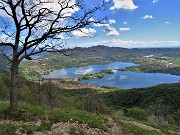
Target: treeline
<point>174,71</point>
<point>170,52</point>
<point>147,68</point>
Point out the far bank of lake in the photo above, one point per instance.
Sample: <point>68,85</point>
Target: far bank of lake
<point>119,79</point>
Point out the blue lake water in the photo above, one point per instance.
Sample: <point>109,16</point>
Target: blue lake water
<point>90,69</point>
<point>120,79</point>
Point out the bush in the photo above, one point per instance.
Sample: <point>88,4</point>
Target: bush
<point>4,88</point>
<point>95,104</point>
<point>137,113</point>
<point>176,117</point>
<point>76,131</point>
<point>157,120</point>
<point>26,94</point>
<point>171,120</point>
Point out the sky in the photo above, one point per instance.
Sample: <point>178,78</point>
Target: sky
<point>137,23</point>
<point>130,24</point>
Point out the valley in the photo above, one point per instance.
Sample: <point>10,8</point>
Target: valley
<point>149,61</point>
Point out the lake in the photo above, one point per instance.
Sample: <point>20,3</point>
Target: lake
<point>120,79</point>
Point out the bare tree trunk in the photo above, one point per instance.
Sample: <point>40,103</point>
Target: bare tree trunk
<point>14,87</point>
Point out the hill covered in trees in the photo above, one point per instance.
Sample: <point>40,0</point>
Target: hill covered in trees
<point>156,107</point>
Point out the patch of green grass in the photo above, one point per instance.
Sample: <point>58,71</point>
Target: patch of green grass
<point>4,106</point>
<point>29,129</point>
<point>130,128</point>
<point>176,61</point>
<point>7,129</point>
<point>168,128</point>
<point>137,113</point>
<point>133,69</point>
<point>77,131</point>
<point>45,125</point>
<point>36,110</point>
<point>93,120</point>
<point>29,112</point>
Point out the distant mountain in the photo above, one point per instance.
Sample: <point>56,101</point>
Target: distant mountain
<point>106,51</point>
<point>81,56</point>
<point>8,51</point>
<point>162,51</point>
<point>101,49</point>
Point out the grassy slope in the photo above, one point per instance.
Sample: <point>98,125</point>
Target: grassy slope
<point>29,117</point>
<point>85,106</point>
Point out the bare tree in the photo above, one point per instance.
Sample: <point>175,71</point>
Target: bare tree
<point>30,26</point>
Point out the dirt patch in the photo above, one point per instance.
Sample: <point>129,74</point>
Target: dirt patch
<point>63,128</point>
<point>143,126</point>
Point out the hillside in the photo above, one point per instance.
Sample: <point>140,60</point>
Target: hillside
<point>48,106</point>
<point>90,110</point>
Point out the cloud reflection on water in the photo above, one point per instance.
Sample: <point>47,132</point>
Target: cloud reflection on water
<point>84,70</point>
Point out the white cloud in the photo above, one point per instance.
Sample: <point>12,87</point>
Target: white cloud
<point>3,37</point>
<point>167,23</point>
<point>148,17</point>
<point>61,36</point>
<point>92,20</point>
<point>125,23</point>
<point>84,32</point>
<point>133,44</point>
<point>2,12</point>
<point>57,7</point>
<point>112,21</point>
<point>54,6</point>
<point>154,1</point>
<point>111,31</point>
<point>125,29</point>
<point>123,4</point>
<point>107,0</point>
<point>100,25</point>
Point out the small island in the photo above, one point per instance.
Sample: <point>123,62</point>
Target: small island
<point>96,75</point>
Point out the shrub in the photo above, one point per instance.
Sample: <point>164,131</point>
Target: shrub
<point>76,131</point>
<point>95,104</point>
<point>171,120</point>
<point>157,120</point>
<point>26,94</point>
<point>137,113</point>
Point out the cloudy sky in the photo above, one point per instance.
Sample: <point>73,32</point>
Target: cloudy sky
<point>132,24</point>
<point>137,23</point>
